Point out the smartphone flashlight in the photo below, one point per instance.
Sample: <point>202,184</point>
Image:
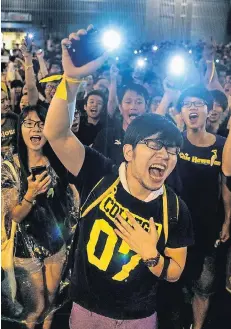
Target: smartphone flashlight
<point>177,66</point>
<point>111,40</point>
<point>30,35</point>
<point>140,62</point>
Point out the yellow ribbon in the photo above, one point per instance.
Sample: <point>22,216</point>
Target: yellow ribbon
<point>52,78</point>
<point>61,91</point>
<point>4,87</point>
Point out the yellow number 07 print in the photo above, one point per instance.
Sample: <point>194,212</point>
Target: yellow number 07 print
<point>103,261</point>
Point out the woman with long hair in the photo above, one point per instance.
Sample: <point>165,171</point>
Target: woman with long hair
<point>44,209</point>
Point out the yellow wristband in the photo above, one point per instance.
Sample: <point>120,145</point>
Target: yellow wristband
<point>28,66</point>
<point>61,91</point>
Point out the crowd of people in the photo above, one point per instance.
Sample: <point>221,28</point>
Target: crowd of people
<point>116,179</point>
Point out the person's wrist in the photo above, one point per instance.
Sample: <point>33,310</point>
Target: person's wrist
<point>150,254</point>
<point>30,195</point>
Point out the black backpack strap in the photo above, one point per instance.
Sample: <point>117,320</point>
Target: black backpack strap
<point>100,190</point>
<point>173,207</point>
<point>170,210</point>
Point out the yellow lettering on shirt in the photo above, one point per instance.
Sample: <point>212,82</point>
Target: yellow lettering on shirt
<point>111,208</point>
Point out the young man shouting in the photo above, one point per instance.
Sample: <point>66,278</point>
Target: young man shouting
<point>202,180</point>
<point>126,240</point>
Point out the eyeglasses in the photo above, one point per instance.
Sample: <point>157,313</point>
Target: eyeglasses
<point>51,86</point>
<point>157,145</point>
<point>188,104</point>
<point>32,124</point>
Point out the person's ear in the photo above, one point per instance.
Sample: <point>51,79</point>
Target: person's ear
<point>85,107</point>
<point>128,152</point>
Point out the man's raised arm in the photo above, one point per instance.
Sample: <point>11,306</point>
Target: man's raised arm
<point>60,115</point>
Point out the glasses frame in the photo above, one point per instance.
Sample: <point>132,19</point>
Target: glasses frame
<point>35,123</point>
<point>194,103</point>
<point>161,145</point>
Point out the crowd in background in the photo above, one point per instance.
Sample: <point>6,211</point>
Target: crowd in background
<point>125,87</point>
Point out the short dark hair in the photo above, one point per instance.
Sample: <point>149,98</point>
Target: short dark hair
<point>16,84</point>
<point>96,93</point>
<point>55,63</point>
<point>139,89</point>
<point>197,91</point>
<point>150,124</point>
<point>12,58</point>
<point>220,98</point>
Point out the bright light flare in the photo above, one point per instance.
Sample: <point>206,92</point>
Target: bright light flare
<point>30,35</point>
<point>177,65</point>
<point>111,40</point>
<point>141,62</point>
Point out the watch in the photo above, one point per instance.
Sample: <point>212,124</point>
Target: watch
<point>31,202</point>
<point>152,262</point>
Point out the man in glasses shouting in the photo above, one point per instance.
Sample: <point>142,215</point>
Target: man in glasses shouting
<point>202,180</point>
<point>133,230</point>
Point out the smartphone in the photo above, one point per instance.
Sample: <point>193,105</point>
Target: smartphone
<point>29,41</point>
<point>87,49</point>
<point>37,171</point>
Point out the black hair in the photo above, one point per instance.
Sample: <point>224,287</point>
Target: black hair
<point>47,151</point>
<point>54,62</point>
<point>150,124</point>
<point>12,58</point>
<point>197,91</point>
<point>139,89</point>
<point>16,84</point>
<point>220,98</point>
<point>96,93</point>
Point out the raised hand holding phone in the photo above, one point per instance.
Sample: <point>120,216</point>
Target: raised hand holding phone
<point>70,70</point>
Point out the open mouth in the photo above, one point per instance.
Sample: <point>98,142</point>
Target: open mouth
<point>157,171</point>
<point>193,117</point>
<point>93,111</point>
<point>132,116</point>
<point>35,139</point>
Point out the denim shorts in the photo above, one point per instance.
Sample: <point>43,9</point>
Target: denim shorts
<point>81,318</point>
<point>34,265</point>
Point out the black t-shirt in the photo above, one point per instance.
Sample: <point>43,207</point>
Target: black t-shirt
<point>200,169</point>
<point>223,131</point>
<point>109,142</point>
<point>43,104</point>
<point>109,278</point>
<point>87,131</point>
<point>9,133</point>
